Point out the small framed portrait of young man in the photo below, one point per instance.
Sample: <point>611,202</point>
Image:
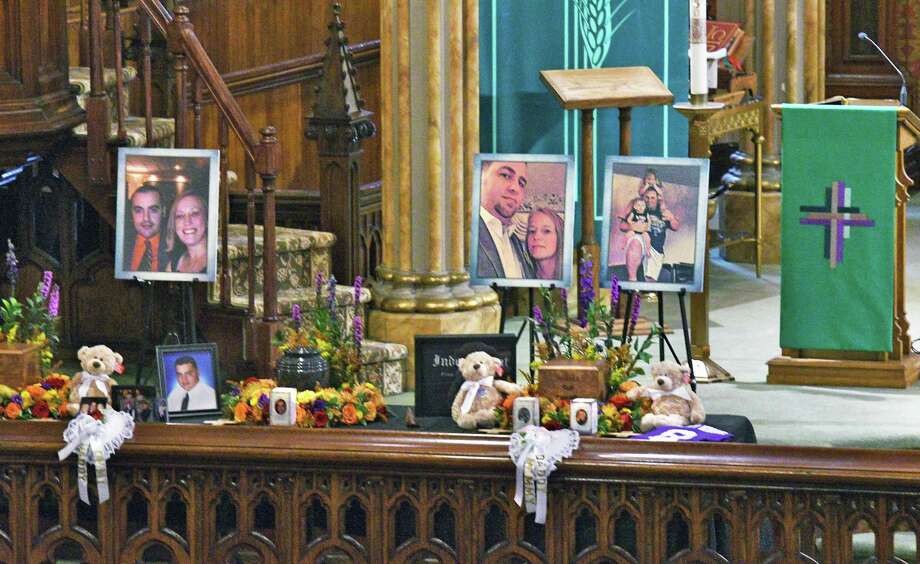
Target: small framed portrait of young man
<point>654,231</point>
<point>189,379</point>
<point>167,214</point>
<point>523,220</point>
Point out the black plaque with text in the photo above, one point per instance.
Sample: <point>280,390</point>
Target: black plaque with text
<point>436,370</point>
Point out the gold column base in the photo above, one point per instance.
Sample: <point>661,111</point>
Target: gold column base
<point>440,292</point>
<point>394,327</point>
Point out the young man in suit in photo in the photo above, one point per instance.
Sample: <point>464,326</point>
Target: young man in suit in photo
<point>501,253</point>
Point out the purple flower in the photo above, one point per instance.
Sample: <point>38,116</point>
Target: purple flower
<point>358,283</point>
<point>585,290</point>
<point>614,293</point>
<point>45,288</point>
<point>636,306</point>
<point>319,405</point>
<point>330,298</point>
<point>264,401</point>
<point>538,315</point>
<point>17,399</point>
<point>54,301</point>
<point>358,331</point>
<point>46,386</point>
<point>12,265</point>
<point>234,392</point>
<point>296,315</point>
<point>319,283</point>
<point>564,297</point>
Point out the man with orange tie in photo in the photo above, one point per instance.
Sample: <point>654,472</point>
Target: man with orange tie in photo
<point>146,251</point>
<point>192,394</point>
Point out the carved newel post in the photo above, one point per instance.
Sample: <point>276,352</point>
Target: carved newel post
<point>338,124</point>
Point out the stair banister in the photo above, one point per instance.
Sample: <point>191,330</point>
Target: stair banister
<point>97,103</point>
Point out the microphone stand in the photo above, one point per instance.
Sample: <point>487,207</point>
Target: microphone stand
<point>903,95</point>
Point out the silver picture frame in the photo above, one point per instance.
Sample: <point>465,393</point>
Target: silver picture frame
<point>125,227</point>
<point>684,173</point>
<point>563,271</point>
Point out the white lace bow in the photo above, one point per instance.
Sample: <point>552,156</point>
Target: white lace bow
<point>472,387</point>
<point>95,442</point>
<point>535,452</point>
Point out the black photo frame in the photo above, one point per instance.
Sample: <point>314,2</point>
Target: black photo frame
<point>204,358</point>
<point>436,375</point>
<point>139,401</point>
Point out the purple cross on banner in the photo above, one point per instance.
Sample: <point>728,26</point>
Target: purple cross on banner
<point>836,216</point>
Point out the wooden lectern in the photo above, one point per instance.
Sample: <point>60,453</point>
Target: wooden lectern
<point>899,368</point>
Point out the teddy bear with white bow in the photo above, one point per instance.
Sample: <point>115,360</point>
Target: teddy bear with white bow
<point>673,401</point>
<point>481,392</point>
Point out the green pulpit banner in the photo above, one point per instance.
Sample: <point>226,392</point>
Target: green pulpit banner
<point>838,227</point>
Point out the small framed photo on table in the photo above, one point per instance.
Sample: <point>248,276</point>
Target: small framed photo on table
<point>137,401</point>
<point>188,379</point>
<point>523,220</point>
<point>655,215</point>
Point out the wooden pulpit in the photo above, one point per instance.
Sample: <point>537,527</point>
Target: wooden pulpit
<point>894,368</point>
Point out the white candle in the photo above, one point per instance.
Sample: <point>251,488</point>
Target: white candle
<point>698,81</point>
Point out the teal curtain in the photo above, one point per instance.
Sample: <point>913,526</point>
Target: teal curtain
<point>518,38</point>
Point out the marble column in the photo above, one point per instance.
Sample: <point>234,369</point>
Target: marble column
<point>429,136</point>
<point>792,52</point>
<point>811,51</point>
<point>768,69</point>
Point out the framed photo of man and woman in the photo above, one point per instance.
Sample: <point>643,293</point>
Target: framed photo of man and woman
<point>522,220</point>
<point>167,213</point>
<point>654,230</point>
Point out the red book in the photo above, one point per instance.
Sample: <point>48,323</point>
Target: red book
<point>721,34</point>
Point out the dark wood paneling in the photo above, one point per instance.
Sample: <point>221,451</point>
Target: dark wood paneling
<point>289,495</point>
<point>854,68</point>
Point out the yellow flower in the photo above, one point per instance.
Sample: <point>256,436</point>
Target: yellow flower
<point>306,396</point>
<point>27,400</point>
<point>371,408</point>
<point>6,392</point>
<point>609,410</point>
<point>11,336</point>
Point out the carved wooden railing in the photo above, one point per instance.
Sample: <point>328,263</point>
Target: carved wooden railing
<point>211,494</point>
<point>195,74</point>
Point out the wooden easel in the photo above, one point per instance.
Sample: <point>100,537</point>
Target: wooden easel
<point>899,368</point>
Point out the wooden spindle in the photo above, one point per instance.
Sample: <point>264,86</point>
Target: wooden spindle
<point>251,233</point>
<point>119,71</point>
<point>196,110</point>
<point>181,68</point>
<point>145,30</point>
<point>223,142</point>
<point>268,172</point>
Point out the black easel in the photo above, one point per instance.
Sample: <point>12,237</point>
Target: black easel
<point>663,340</point>
<point>185,333</point>
<point>502,300</point>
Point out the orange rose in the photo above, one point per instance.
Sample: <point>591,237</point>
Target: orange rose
<point>628,385</point>
<point>349,414</point>
<point>301,415</point>
<point>240,412</point>
<point>508,404</point>
<point>371,410</point>
<point>62,410</point>
<point>36,391</point>
<point>13,410</point>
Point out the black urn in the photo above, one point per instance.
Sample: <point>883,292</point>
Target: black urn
<point>302,368</point>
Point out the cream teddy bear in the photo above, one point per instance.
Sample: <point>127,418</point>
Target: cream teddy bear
<point>673,402</point>
<point>94,381</point>
<point>475,403</point>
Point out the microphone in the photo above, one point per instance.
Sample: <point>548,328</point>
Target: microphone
<point>903,97</point>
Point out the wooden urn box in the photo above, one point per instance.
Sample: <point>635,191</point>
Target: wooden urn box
<point>19,364</point>
<point>568,379</point>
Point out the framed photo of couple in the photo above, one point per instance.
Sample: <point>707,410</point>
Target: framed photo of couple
<point>654,230</point>
<point>166,215</point>
<point>523,220</point>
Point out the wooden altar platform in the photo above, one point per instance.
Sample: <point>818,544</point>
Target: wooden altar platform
<point>195,493</point>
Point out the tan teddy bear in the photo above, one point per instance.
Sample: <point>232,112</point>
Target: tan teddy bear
<point>673,402</point>
<point>98,363</point>
<point>475,403</point>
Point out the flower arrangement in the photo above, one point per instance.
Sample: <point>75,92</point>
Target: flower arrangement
<point>324,331</point>
<point>45,400</point>
<point>591,337</point>
<point>35,320</point>
<point>248,402</point>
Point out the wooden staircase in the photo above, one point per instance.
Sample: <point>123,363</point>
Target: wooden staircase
<point>253,286</point>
